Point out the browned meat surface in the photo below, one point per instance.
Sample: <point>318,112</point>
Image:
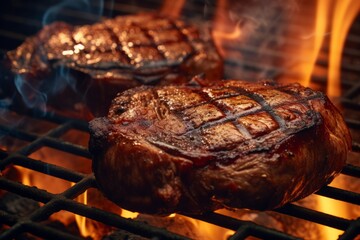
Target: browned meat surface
<point>92,63</point>
<point>233,144</point>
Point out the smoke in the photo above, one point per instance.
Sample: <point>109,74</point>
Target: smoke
<point>262,13</point>
<point>59,12</point>
<point>22,89</point>
<point>263,25</point>
<point>32,96</point>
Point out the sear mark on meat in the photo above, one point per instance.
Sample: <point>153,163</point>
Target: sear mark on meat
<point>231,144</point>
<point>111,56</point>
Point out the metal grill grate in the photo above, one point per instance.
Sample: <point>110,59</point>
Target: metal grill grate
<point>21,19</point>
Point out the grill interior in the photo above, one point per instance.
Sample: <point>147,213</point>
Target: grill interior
<point>23,133</point>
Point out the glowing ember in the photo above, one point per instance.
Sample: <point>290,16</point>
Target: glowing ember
<point>332,18</point>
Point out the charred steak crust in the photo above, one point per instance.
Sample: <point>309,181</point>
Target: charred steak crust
<point>233,144</point>
<point>102,59</point>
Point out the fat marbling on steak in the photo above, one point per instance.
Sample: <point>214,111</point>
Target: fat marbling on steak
<point>92,63</point>
<point>232,144</point>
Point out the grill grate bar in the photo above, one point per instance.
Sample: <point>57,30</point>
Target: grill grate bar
<point>20,23</point>
<point>36,229</point>
<point>80,187</point>
<point>351,170</point>
<point>23,135</point>
<point>245,228</point>
<point>315,216</point>
<point>340,194</point>
<point>47,168</point>
<point>353,92</point>
<point>353,123</point>
<point>68,147</point>
<point>54,203</point>
<point>114,220</point>
<point>251,64</point>
<point>25,191</point>
<point>258,232</point>
<point>8,219</point>
<point>352,231</point>
<point>350,104</point>
<point>48,232</point>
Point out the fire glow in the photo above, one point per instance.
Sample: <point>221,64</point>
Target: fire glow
<point>331,18</point>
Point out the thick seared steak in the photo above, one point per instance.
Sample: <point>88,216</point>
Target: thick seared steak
<point>92,63</point>
<point>234,144</point>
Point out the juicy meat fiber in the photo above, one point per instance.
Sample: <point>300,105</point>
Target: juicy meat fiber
<point>233,144</point>
<point>76,63</point>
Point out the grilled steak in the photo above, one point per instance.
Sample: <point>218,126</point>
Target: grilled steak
<point>92,63</point>
<point>233,144</point>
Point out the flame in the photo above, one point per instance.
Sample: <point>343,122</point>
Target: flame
<point>224,28</point>
<point>332,18</point>
<point>55,157</point>
<point>25,176</point>
<point>128,214</point>
<point>181,224</point>
<point>335,207</point>
<point>320,28</point>
<point>88,227</point>
<point>330,27</point>
<point>222,36</point>
<point>209,231</point>
<point>345,11</point>
<point>343,15</point>
<point>172,8</point>
<point>331,206</point>
<point>206,230</point>
<point>85,229</point>
<point>187,226</point>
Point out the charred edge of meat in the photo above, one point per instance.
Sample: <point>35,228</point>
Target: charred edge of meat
<point>160,172</point>
<point>43,64</point>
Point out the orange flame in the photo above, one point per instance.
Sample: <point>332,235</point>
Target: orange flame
<point>128,214</point>
<point>345,12</point>
<point>342,13</point>
<point>171,8</point>
<point>209,231</point>
<point>80,220</point>
<point>89,227</point>
<point>320,29</point>
<point>25,176</point>
<point>224,29</point>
